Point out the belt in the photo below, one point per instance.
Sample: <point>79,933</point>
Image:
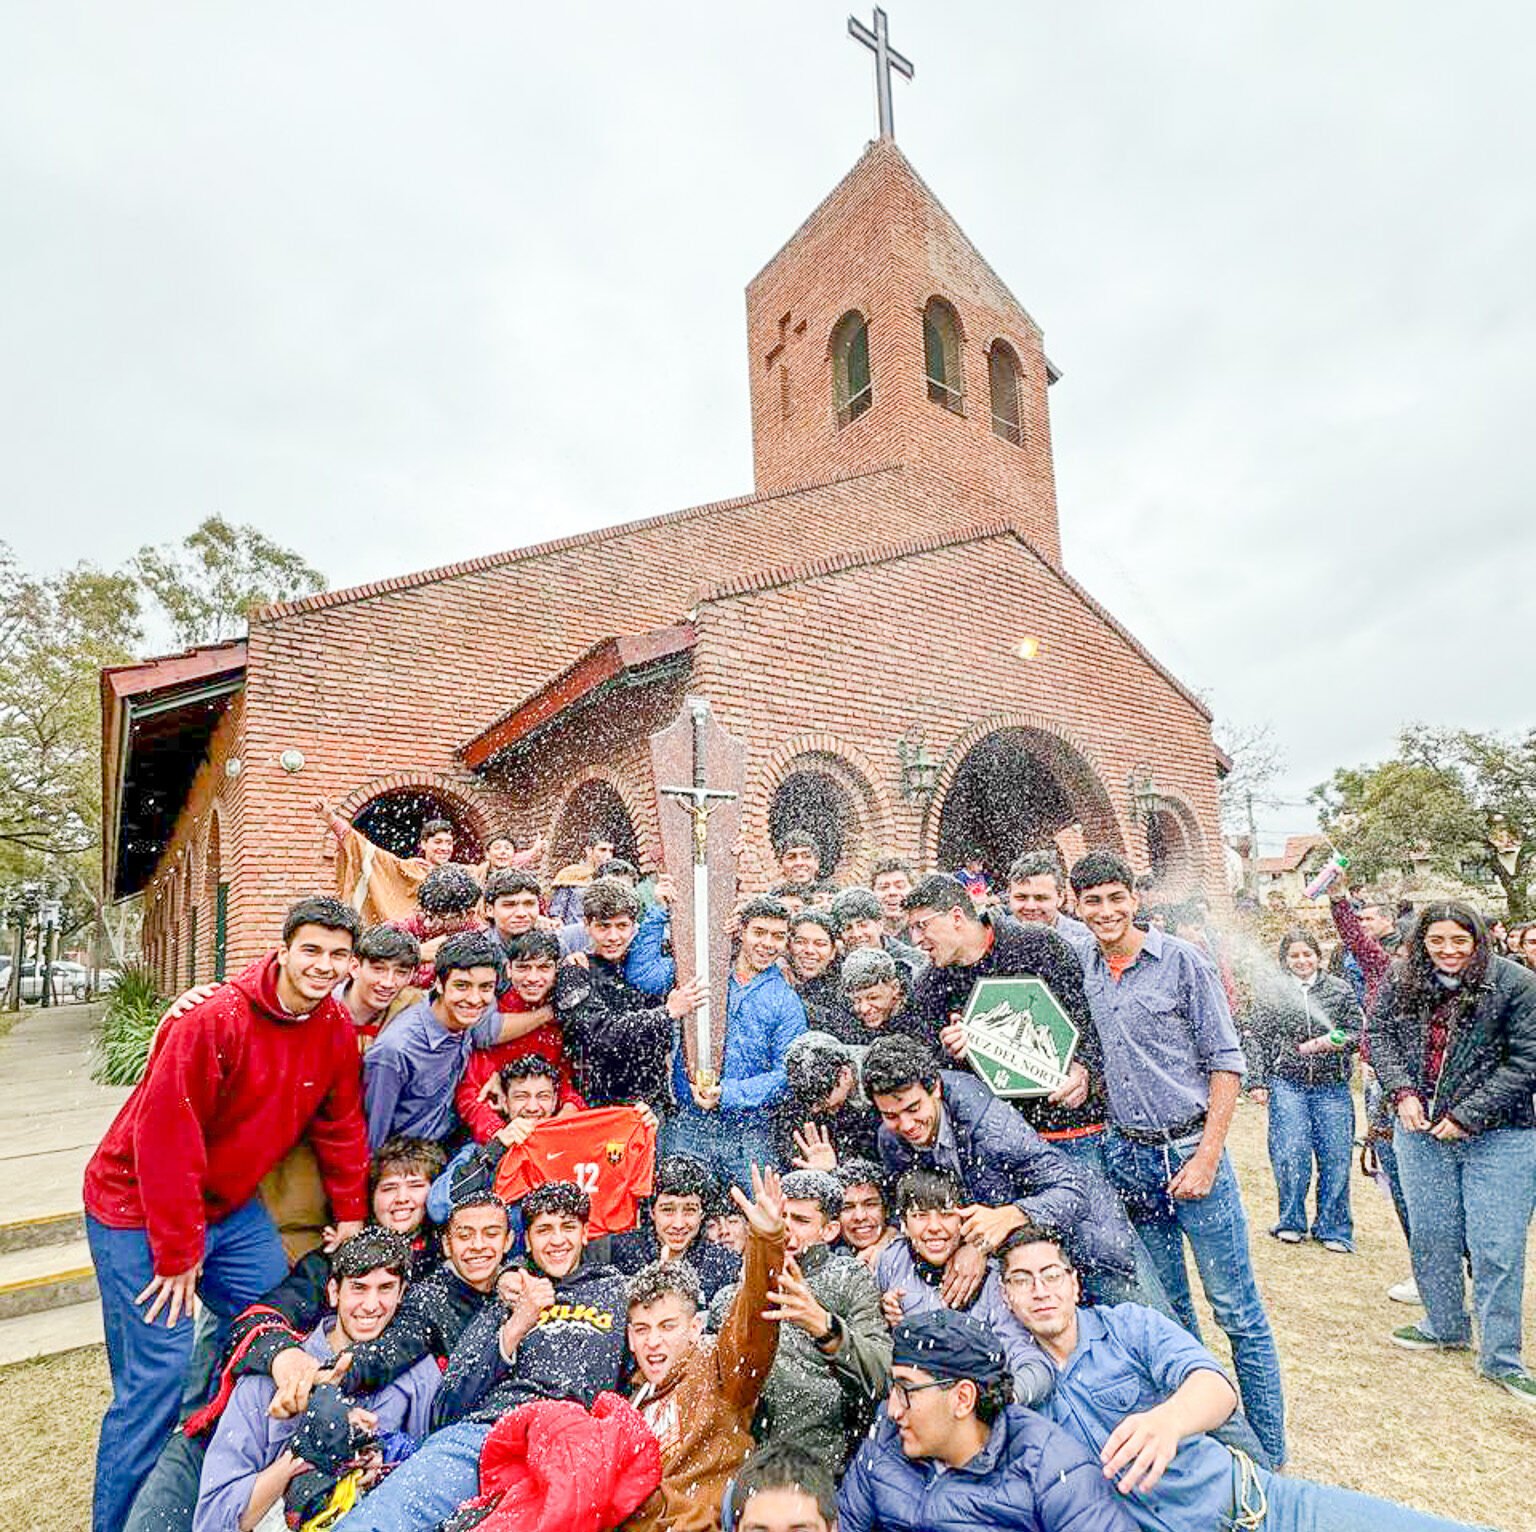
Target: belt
<point>1160,1136</point>
<point>1066,1135</point>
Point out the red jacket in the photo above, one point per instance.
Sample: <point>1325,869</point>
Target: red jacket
<point>230,1088</point>
<point>545,1040</point>
<point>550,1466</point>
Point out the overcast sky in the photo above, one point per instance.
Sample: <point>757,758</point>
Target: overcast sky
<point>406,284</point>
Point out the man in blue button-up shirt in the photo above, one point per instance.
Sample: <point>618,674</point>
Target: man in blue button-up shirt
<point>1172,1067</point>
<point>1142,1393</point>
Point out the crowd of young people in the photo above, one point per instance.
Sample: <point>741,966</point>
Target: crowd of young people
<point>429,1224</point>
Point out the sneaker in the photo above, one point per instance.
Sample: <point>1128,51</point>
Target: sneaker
<point>1406,1291</point>
<point>1339,1246</point>
<point>1521,1384</point>
<point>1412,1338</point>
<point>1287,1236</point>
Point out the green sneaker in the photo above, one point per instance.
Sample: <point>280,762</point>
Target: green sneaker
<point>1412,1338</point>
<point>1521,1384</point>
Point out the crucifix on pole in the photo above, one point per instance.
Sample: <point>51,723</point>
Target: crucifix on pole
<point>887,58</point>
<point>698,922</point>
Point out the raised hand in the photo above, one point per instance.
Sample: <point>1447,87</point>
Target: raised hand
<point>764,1209</point>
<point>793,1303</point>
<point>815,1146</point>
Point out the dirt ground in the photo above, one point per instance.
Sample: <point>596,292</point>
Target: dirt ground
<point>1415,1427</point>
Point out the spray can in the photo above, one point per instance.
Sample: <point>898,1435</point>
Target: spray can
<point>1327,877</point>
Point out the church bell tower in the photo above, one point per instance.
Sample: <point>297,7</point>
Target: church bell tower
<point>880,336</point>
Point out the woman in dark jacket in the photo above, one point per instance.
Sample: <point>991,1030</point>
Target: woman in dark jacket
<point>1453,1042</point>
<point>1305,1027</point>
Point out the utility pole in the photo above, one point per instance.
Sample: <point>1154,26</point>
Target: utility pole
<point>1253,852</point>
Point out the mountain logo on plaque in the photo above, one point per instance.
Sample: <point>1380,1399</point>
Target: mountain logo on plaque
<point>1017,1037</point>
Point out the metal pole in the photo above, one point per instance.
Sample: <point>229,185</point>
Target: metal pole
<point>1253,852</point>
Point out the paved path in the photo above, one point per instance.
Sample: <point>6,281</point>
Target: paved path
<point>52,1113</point>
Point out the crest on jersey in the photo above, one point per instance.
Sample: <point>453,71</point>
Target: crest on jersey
<point>615,1152</point>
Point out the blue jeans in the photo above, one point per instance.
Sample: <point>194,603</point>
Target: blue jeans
<point>1379,1115</point>
<point>1310,1123</point>
<point>242,1258</point>
<point>427,1487</point>
<point>1299,1505</point>
<point>1217,1231</point>
<point>1476,1192</point>
<point>168,1497</point>
<point>728,1143</point>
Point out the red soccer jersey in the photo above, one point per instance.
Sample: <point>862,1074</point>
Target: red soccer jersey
<point>609,1152</point>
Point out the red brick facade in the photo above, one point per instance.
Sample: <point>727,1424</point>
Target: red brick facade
<point>877,587</point>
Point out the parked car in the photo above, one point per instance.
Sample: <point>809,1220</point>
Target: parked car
<point>70,982</point>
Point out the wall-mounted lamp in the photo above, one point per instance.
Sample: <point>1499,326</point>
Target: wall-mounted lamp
<point>919,770</point>
<point>291,760</point>
<point>1144,795</point>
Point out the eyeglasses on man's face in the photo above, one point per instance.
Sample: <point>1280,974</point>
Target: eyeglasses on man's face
<point>1051,1278</point>
<point>901,1393</point>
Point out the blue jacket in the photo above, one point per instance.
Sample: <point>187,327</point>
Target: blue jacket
<point>647,964</point>
<point>1001,1159</point>
<point>1030,1477</point>
<point>762,1018</point>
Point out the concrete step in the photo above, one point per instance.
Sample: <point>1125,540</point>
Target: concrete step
<point>45,1229</point>
<point>45,1277</point>
<point>49,1332</point>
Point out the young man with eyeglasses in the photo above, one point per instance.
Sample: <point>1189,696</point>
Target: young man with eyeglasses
<point>1144,1394</point>
<point>950,1450</point>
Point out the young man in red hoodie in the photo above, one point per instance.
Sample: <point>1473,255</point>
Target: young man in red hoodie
<point>170,1194</point>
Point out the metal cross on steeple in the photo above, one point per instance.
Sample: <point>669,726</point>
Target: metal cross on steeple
<point>886,59</point>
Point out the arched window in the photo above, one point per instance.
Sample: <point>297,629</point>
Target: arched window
<point>1003,375</point>
<point>851,390</point>
<point>393,820</point>
<point>941,355</point>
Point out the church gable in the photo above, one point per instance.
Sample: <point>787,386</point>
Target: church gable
<point>971,643</point>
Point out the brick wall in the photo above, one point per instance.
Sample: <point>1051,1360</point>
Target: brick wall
<point>883,647</point>
<point>882,244</point>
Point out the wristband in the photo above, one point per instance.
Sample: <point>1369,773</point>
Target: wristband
<point>1338,1037</point>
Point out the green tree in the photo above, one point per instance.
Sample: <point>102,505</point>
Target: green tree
<point>56,635</point>
<point>208,584</point>
<point>1458,796</point>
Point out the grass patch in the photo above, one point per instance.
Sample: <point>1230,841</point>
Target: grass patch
<point>134,1009</point>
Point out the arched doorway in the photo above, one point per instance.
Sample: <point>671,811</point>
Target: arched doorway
<point>821,806</point>
<point>1171,855</point>
<point>596,805</point>
<point>1015,790</point>
<point>394,819</point>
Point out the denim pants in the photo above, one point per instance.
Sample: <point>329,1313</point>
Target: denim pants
<point>1300,1505</point>
<point>728,1143</point>
<point>242,1258</point>
<point>1217,1231</point>
<point>1379,1115</point>
<point>427,1487</point>
<point>1307,1124</point>
<point>1479,1192</point>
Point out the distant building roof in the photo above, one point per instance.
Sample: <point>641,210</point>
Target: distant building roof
<point>157,717</point>
<point>1297,849</point>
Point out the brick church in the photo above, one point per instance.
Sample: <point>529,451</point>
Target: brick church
<point>884,623</point>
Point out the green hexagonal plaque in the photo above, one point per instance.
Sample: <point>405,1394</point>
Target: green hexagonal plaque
<point>1017,1037</point>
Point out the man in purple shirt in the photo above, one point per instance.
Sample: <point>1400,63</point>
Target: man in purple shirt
<point>409,1074</point>
<point>1172,1067</point>
<point>248,1466</point>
